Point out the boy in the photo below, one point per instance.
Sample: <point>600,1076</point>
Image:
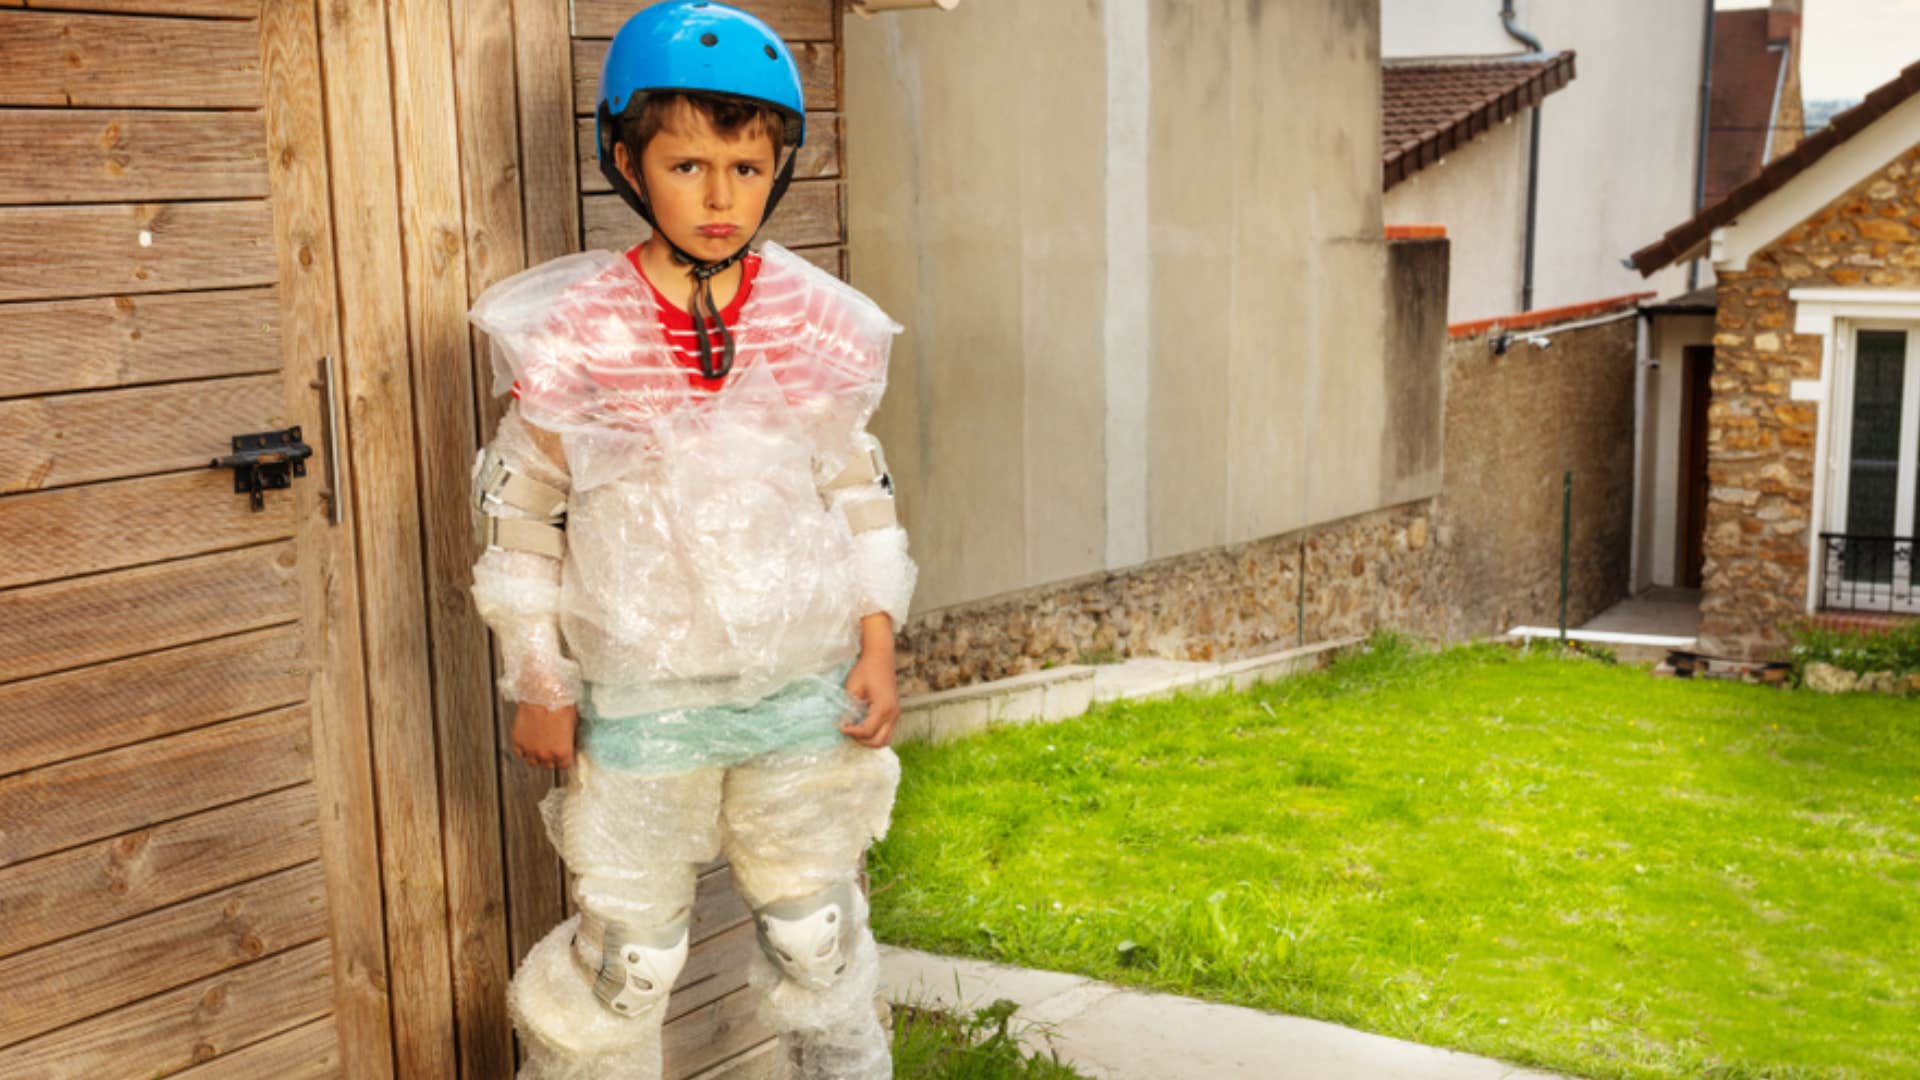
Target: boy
<point>683,493</point>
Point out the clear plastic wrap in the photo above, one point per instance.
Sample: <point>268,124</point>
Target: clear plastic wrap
<point>796,824</point>
<point>790,823</point>
<point>518,592</point>
<point>704,567</point>
<point>885,571</point>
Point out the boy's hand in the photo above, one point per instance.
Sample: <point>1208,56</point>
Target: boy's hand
<point>543,737</point>
<point>871,681</point>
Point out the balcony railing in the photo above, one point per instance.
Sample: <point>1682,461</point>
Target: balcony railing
<point>1868,573</point>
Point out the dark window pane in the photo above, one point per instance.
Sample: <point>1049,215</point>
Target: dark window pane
<point>1874,472</point>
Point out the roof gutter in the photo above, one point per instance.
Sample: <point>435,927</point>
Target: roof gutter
<point>1700,157</point>
<point>1533,156</point>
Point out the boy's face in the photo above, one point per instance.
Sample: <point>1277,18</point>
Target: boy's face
<point>708,191</point>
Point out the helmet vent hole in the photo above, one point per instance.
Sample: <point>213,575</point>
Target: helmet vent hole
<point>709,39</point>
<point>771,55</point>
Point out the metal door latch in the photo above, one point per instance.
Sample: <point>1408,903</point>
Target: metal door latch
<point>263,459</point>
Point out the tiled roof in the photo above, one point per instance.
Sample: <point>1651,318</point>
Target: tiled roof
<point>1682,239</point>
<point>1429,108</point>
<point>1745,74</point>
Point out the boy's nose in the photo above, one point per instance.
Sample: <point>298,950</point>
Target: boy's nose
<point>720,193</point>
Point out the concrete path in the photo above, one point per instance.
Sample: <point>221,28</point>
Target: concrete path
<point>1639,629</point>
<point>1658,610</point>
<point>1112,1033</point>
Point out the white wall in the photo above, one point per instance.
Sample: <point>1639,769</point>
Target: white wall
<point>1479,192</point>
<point>1137,248</point>
<point>1618,144</point>
<point>1441,29</point>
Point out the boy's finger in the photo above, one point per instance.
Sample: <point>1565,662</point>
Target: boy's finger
<point>874,733</point>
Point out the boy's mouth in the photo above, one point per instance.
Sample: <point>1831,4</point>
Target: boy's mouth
<point>719,232</point>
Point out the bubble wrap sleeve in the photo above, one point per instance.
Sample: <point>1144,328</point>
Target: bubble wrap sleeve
<point>518,592</point>
<point>885,571</point>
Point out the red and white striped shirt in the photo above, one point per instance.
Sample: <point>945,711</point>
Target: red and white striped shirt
<point>677,325</point>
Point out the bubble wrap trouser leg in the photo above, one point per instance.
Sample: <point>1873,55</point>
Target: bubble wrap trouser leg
<point>633,846</point>
<point>795,824</point>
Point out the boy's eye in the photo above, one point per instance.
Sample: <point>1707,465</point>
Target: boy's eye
<point>685,167</point>
<point>746,169</point>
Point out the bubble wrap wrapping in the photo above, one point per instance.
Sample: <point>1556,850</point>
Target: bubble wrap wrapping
<point>704,564</point>
<point>796,824</point>
<point>790,824</point>
<point>518,592</point>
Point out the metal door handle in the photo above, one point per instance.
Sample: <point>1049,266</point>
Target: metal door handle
<point>330,442</point>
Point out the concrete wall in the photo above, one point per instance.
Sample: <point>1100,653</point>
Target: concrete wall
<point>1618,144</point>
<point>1471,561</point>
<point>1137,246</point>
<point>1479,193</point>
<point>1445,29</point>
<point>1385,567</point>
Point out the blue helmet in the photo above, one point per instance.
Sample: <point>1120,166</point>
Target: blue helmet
<point>697,46</point>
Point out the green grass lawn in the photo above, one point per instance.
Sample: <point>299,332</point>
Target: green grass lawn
<point>1549,860</point>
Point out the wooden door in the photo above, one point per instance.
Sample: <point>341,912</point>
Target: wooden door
<point>189,878</point>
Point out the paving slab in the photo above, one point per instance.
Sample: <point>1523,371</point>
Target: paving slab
<point>1060,693</point>
<point>1115,1033</point>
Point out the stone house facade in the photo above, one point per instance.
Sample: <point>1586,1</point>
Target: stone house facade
<point>1812,433</point>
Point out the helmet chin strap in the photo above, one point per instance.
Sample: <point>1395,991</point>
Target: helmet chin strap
<point>710,330</point>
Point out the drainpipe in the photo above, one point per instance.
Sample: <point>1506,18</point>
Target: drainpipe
<point>1533,156</point>
<point>1700,157</point>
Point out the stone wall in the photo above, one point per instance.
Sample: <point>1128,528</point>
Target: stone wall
<point>1516,425</point>
<point>1471,562</point>
<point>1385,568</point>
<point>1760,443</point>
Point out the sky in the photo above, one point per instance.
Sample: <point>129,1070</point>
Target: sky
<point>1850,46</point>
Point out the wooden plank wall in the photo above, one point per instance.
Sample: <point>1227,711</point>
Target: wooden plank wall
<point>365,885</point>
<point>454,127</point>
<point>188,871</point>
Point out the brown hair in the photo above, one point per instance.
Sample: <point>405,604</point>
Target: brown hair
<point>646,114</point>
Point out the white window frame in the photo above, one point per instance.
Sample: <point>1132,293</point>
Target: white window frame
<point>1880,597</point>
<point>1836,316</point>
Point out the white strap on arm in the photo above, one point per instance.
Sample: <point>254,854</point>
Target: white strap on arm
<point>499,484</point>
<point>519,534</point>
<point>865,510</point>
<point>863,467</point>
<point>869,514</point>
<point>497,487</point>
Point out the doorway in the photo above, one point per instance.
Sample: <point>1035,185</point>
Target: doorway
<point>1696,393</point>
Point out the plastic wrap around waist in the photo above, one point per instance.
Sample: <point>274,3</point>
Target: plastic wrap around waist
<point>804,713</point>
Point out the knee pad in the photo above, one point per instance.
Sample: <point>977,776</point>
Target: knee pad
<point>631,968</point>
<point>810,939</point>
